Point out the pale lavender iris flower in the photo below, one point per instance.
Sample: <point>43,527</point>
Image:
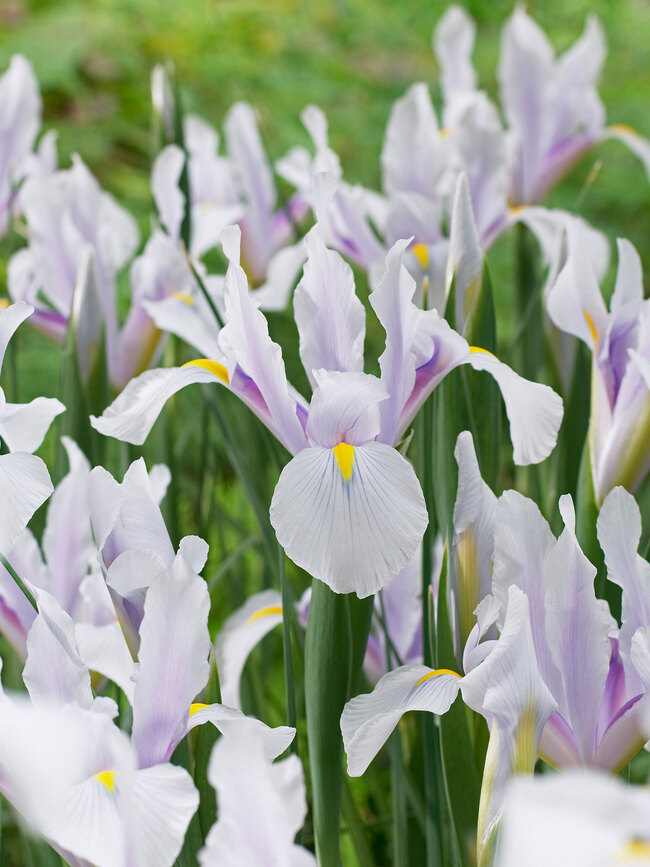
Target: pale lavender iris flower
<point>346,481</point>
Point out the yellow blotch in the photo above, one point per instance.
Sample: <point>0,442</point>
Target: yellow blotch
<point>421,253</point>
<point>623,127</point>
<point>435,673</point>
<point>446,132</point>
<point>518,209</point>
<point>106,778</point>
<point>264,612</point>
<point>635,850</point>
<point>4,303</point>
<point>196,707</point>
<point>344,454</point>
<point>477,349</point>
<point>592,327</point>
<point>213,366</point>
<point>183,296</point>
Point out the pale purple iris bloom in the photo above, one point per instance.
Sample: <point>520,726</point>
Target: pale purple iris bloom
<point>502,682</point>
<point>125,786</point>
<point>79,238</point>
<point>236,187</point>
<point>347,508</point>
<point>619,339</point>
<point>67,566</point>
<point>579,680</point>
<point>594,671</point>
<point>552,105</point>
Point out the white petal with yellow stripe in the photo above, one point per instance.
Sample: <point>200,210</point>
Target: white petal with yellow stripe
<point>133,413</point>
<point>368,720</point>
<point>241,632</point>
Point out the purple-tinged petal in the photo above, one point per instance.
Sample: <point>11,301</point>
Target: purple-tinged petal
<point>330,318</point>
<point>173,661</point>
<point>577,630</point>
<point>245,341</point>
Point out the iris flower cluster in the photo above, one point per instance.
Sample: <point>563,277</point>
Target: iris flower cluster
<point>124,740</point>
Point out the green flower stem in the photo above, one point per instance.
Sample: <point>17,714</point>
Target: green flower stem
<point>432,804</point>
<point>337,634</point>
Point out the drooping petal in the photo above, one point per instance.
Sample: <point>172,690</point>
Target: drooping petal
<point>10,318</point>
<point>639,146</point>
<point>189,319</point>
<point>241,632</point>
<point>23,425</point>
<point>352,518</point>
<point>368,720</point>
<point>534,410</point>
<point>24,485</point>
<point>133,413</point>
<point>156,809</point>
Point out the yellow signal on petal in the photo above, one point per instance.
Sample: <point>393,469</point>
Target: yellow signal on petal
<point>421,253</point>
<point>344,454</point>
<point>4,303</point>
<point>183,296</point>
<point>106,778</point>
<point>196,707</point>
<point>623,127</point>
<point>264,612</point>
<point>518,209</point>
<point>212,366</point>
<point>592,327</point>
<point>446,132</point>
<point>635,850</point>
<point>477,349</point>
<point>435,673</point>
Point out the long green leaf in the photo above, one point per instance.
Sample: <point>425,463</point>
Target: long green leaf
<point>337,634</point>
<point>462,780</point>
